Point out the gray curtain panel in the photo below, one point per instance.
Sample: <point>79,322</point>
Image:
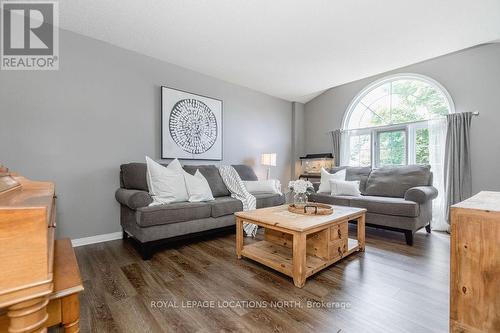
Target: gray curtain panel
<point>457,160</point>
<point>336,137</point>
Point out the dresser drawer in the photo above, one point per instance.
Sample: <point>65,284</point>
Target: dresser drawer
<point>339,231</point>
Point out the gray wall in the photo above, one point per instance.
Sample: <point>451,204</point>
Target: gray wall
<point>298,137</point>
<point>472,77</point>
<point>76,126</point>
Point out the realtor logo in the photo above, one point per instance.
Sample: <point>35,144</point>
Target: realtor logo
<point>29,35</point>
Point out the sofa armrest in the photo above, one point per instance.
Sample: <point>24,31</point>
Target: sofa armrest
<point>133,198</point>
<point>421,194</point>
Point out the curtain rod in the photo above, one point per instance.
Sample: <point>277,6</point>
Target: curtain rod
<point>474,113</point>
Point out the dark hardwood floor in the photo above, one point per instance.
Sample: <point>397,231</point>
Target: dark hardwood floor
<point>391,287</point>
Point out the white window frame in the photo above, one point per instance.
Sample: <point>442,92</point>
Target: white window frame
<point>410,128</point>
<point>375,145</point>
<point>359,132</point>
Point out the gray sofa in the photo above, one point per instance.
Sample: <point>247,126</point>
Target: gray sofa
<point>396,198</point>
<point>150,226</point>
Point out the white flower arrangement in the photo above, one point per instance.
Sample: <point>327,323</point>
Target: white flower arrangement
<point>301,186</point>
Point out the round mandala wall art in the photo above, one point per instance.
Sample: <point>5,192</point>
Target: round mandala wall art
<point>193,126</point>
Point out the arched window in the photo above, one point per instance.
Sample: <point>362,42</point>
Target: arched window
<point>387,123</point>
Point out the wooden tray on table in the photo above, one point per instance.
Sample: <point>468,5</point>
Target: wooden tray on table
<point>311,209</point>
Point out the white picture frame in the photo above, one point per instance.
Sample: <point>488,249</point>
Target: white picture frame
<point>191,126</point>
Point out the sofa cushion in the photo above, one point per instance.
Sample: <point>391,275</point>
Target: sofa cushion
<point>326,177</point>
<point>222,206</point>
<point>358,173</point>
<point>355,173</point>
<point>212,175</point>
<point>345,187</point>
<point>133,176</point>
<point>395,181</point>
<point>246,172</point>
<point>386,205</point>
<point>166,184</point>
<point>269,200</point>
<point>197,187</point>
<point>336,169</point>
<point>172,213</point>
<point>263,186</point>
<point>339,200</point>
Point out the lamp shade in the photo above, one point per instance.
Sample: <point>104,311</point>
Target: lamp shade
<point>268,159</point>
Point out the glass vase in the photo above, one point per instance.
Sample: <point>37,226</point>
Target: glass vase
<point>300,200</point>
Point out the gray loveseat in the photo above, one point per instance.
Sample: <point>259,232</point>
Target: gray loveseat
<point>150,226</point>
<point>396,198</point>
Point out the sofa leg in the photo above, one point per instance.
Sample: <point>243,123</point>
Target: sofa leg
<point>428,228</point>
<point>409,237</point>
<point>146,251</point>
<point>124,234</point>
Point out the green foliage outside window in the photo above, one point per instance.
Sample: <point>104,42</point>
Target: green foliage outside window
<point>392,148</point>
<point>396,102</point>
<point>422,146</point>
<point>409,101</point>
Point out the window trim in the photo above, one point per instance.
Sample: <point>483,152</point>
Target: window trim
<point>409,128</point>
<point>400,76</point>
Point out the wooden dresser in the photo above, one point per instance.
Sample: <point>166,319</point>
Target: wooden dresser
<point>27,230</point>
<point>475,264</point>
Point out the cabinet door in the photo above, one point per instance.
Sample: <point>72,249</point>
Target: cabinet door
<point>475,270</point>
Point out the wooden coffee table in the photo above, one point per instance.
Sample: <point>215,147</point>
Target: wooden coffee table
<point>300,245</point>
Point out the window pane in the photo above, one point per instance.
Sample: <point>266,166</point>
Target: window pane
<point>381,107</point>
<point>357,116</point>
<point>360,150</point>
<point>422,146</point>
<point>401,100</point>
<point>377,93</point>
<point>415,100</point>
<point>392,148</point>
<point>381,111</point>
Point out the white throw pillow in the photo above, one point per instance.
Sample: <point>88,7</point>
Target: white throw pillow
<point>197,187</point>
<point>345,187</point>
<point>166,184</point>
<point>324,186</point>
<point>263,186</point>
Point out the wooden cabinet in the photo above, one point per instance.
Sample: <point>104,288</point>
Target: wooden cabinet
<point>27,230</point>
<point>475,264</point>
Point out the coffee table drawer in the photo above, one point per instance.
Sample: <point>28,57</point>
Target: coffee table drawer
<point>337,249</point>
<point>339,231</point>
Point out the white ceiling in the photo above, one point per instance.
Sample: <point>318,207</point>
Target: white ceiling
<point>287,48</point>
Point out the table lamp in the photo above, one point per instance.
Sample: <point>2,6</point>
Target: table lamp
<point>269,160</point>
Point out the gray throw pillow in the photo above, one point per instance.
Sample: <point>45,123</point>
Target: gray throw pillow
<point>395,181</point>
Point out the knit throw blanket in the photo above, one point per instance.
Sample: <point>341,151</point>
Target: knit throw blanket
<point>238,191</point>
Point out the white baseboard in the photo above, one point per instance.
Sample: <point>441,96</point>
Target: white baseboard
<point>96,239</point>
